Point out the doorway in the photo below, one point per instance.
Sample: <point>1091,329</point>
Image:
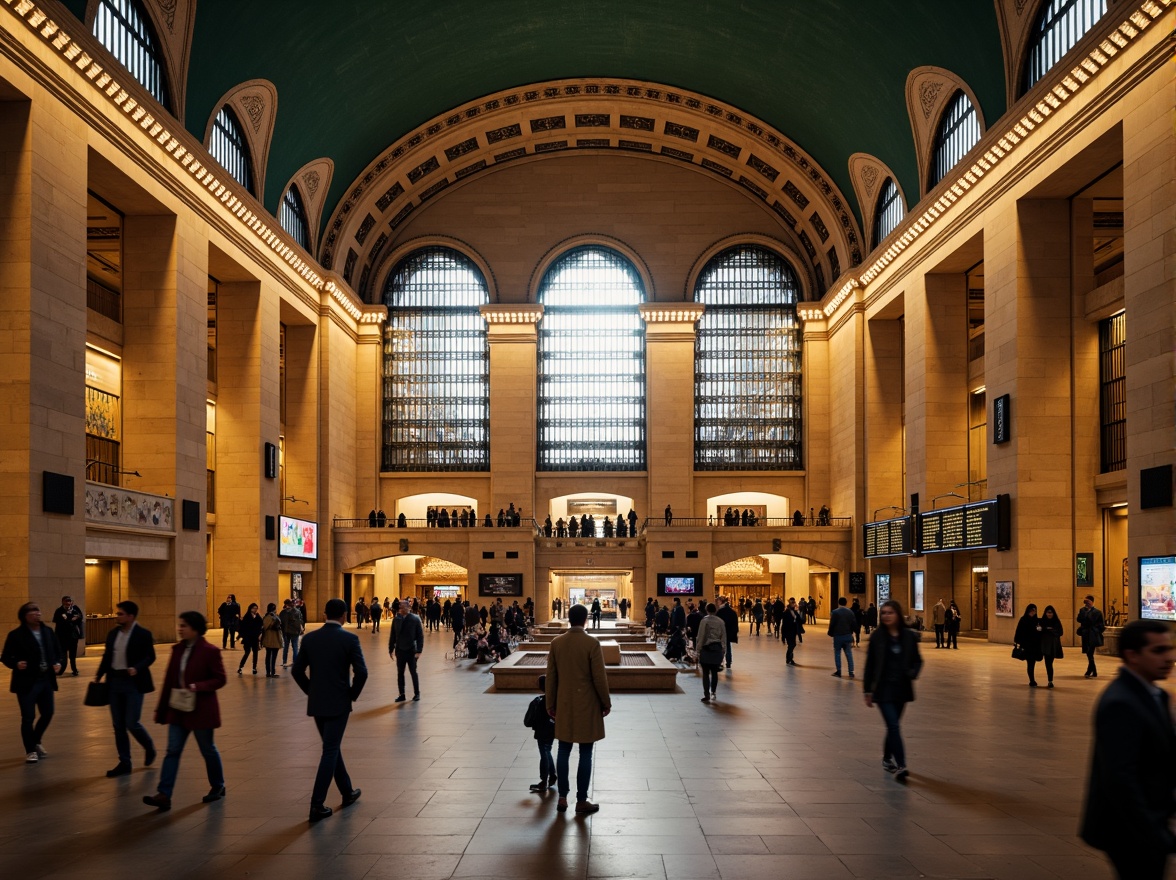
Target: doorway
<point>980,598</point>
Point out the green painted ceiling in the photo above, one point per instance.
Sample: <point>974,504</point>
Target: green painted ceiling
<point>353,77</point>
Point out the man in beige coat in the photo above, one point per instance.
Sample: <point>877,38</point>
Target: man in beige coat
<point>578,700</point>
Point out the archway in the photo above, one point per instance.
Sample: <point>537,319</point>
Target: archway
<point>769,509</point>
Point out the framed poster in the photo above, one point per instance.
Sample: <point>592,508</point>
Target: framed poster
<point>881,588</point>
<point>917,590</point>
<point>1084,570</point>
<point>1004,599</point>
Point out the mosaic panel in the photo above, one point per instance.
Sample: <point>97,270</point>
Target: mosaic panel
<point>637,123</point>
<point>593,142</point>
<point>459,150</point>
<point>715,166</point>
<point>783,212</point>
<point>378,244</point>
<point>395,192</point>
<point>834,262</point>
<point>726,147</point>
<point>819,225</point>
<point>501,134</point>
<point>401,215</point>
<point>808,245</point>
<point>593,120</point>
<point>747,184</point>
<point>349,266</point>
<point>685,132</point>
<point>796,195</point>
<point>548,123</point>
<point>551,146</point>
<point>677,154</point>
<point>427,167</point>
<point>758,164</point>
<point>364,228</point>
<point>635,145</point>
<point>510,154</point>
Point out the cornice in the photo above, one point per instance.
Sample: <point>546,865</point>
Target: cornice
<point>146,130</point>
<point>1011,138</point>
<point>591,115</point>
<point>520,314</point>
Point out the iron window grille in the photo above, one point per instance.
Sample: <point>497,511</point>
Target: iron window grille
<point>1059,26</point>
<point>228,146</point>
<point>959,131</point>
<point>747,381</point>
<point>1112,375</point>
<point>889,212</point>
<point>292,216</point>
<point>123,27</point>
<point>436,383</point>
<point>591,364</point>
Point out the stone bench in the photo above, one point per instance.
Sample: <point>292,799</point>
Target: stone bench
<point>638,671</point>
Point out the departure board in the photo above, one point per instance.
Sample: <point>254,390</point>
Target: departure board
<point>967,527</point>
<point>891,537</point>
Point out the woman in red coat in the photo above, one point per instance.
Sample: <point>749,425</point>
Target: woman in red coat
<point>195,666</point>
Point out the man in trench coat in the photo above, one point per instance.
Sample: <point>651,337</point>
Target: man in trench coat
<point>578,700</point>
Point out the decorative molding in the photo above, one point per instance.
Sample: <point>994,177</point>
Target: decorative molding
<point>173,22</point>
<point>790,251</point>
<point>585,240</point>
<point>928,92</point>
<point>385,261</point>
<point>536,121</point>
<point>255,102</point>
<point>314,181</point>
<point>868,173</point>
<point>523,313</point>
<point>671,313</point>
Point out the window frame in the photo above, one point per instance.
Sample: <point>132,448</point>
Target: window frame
<point>131,20</point>
<point>1045,48</point>
<point>883,205</point>
<point>292,210</point>
<point>227,133</point>
<point>949,133</point>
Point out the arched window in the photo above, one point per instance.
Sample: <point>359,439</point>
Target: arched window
<point>227,144</point>
<point>959,131</point>
<point>122,26</point>
<point>1059,26</point>
<point>747,364</point>
<point>436,365</point>
<point>292,216</point>
<point>889,212</point>
<point>591,364</point>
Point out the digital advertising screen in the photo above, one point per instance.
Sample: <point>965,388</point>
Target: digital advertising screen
<point>679,584</point>
<point>297,538</point>
<point>500,585</point>
<point>1157,587</point>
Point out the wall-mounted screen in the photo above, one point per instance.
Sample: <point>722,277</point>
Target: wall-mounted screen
<point>500,585</point>
<point>297,538</point>
<point>882,588</point>
<point>916,591</point>
<point>679,584</point>
<point>446,592</point>
<point>1157,587</point>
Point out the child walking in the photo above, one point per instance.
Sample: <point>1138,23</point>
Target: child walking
<point>544,726</point>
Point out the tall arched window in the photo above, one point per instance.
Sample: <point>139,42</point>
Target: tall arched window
<point>436,365</point>
<point>591,364</point>
<point>959,131</point>
<point>122,26</point>
<point>227,144</point>
<point>1059,26</point>
<point>292,216</point>
<point>747,364</point>
<point>889,212</point>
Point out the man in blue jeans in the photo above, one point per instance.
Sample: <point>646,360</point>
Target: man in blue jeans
<point>292,626</point>
<point>841,625</point>
<point>578,700</point>
<point>126,662</point>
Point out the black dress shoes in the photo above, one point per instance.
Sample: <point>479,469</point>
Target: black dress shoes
<point>349,799</point>
<point>214,794</point>
<point>160,801</point>
<point>319,812</point>
<point>400,699</point>
<point>120,770</point>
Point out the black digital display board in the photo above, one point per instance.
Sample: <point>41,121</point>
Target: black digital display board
<point>977,526</point>
<point>890,537</point>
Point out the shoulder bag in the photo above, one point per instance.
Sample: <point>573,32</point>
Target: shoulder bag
<point>181,699</point>
<point>97,694</point>
<point>1018,652</point>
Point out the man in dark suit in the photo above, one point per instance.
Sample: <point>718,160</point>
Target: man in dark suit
<point>1130,801</point>
<point>405,644</point>
<point>338,674</point>
<point>126,661</point>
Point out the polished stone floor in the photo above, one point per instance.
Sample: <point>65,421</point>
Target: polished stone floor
<point>778,779</point>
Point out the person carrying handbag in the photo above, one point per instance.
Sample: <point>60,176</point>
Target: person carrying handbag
<point>188,704</point>
<point>271,639</point>
<point>712,649</point>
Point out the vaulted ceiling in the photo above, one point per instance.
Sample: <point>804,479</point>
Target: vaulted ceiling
<point>353,77</point>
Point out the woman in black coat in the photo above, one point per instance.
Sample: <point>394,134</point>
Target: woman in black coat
<point>1028,637</point>
<point>32,653</point>
<point>893,663</point>
<point>249,629</point>
<point>1051,640</point>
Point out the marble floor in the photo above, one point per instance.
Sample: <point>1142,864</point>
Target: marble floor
<point>778,779</point>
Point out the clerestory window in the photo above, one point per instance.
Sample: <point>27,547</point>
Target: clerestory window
<point>124,28</point>
<point>959,131</point>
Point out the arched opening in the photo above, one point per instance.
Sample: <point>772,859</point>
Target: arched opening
<point>764,507</point>
<point>424,510</point>
<point>603,512</point>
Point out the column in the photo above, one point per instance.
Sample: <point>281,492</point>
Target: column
<point>42,349</point>
<point>669,401</point>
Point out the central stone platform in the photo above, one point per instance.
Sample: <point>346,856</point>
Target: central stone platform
<point>637,671</point>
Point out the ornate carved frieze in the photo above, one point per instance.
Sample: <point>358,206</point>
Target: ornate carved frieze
<point>255,102</point>
<point>928,92</point>
<point>868,173</point>
<point>463,142</point>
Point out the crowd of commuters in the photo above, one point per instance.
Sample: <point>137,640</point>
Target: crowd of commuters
<point>586,526</point>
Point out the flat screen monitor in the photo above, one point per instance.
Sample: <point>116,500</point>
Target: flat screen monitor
<point>679,584</point>
<point>500,585</point>
<point>1157,587</point>
<point>297,538</point>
